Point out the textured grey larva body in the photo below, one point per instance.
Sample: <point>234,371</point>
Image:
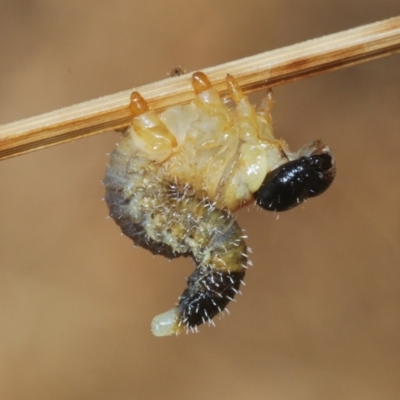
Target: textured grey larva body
<point>168,221</point>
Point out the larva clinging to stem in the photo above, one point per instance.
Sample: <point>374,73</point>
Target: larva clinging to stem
<point>176,176</point>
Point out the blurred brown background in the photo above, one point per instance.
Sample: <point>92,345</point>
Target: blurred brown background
<point>319,316</point>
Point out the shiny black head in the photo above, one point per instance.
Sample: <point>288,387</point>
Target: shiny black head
<point>295,181</point>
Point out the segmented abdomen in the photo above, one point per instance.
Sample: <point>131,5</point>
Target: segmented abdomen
<point>168,220</point>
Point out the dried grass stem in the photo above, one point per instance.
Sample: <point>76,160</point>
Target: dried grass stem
<point>271,68</point>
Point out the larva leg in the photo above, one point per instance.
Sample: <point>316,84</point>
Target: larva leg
<point>253,157</point>
<point>213,141</point>
<point>254,125</point>
<point>246,114</point>
<point>148,132</point>
<point>200,82</point>
<point>266,107</point>
<point>209,100</point>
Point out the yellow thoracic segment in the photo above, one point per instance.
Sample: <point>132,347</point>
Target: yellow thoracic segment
<point>223,154</point>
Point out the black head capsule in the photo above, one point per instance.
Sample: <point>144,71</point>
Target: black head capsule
<point>295,181</point>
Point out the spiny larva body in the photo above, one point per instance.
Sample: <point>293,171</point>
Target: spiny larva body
<point>156,215</point>
<point>176,176</point>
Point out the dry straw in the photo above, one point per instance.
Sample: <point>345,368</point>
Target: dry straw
<point>271,68</point>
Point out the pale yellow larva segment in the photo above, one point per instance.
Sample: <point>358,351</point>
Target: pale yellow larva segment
<point>236,189</point>
<point>215,110</point>
<point>212,155</point>
<point>264,115</point>
<point>247,121</point>
<point>167,323</point>
<point>178,120</point>
<point>255,164</point>
<point>223,154</point>
<point>222,163</point>
<point>208,140</point>
<point>152,137</point>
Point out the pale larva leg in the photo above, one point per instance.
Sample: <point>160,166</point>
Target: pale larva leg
<point>246,114</point>
<point>216,138</point>
<point>265,108</point>
<point>252,153</point>
<point>209,100</point>
<point>200,82</point>
<point>148,132</point>
<point>254,124</point>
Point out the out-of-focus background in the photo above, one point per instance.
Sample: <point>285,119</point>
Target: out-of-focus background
<point>320,313</point>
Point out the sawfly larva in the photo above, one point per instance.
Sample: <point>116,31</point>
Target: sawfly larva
<point>176,176</point>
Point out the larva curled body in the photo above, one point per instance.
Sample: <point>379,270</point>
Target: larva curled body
<point>175,177</point>
<point>160,217</point>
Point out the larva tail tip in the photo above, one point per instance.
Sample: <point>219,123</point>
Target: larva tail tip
<point>166,324</point>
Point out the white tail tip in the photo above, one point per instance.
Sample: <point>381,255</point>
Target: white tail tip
<point>166,324</point>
